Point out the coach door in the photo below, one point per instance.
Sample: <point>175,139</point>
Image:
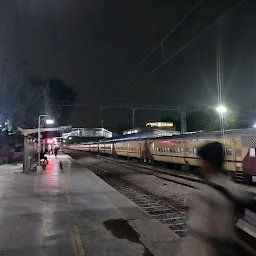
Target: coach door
<point>238,155</point>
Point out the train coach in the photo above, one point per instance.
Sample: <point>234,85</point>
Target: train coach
<point>181,150</point>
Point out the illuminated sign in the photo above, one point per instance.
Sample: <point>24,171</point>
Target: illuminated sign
<point>160,124</point>
<point>49,141</point>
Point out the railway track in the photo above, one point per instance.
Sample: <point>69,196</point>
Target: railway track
<point>187,180</point>
<point>155,207</point>
<point>164,175</point>
<point>182,179</point>
<point>158,207</point>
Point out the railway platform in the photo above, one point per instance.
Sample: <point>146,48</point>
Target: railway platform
<point>73,212</point>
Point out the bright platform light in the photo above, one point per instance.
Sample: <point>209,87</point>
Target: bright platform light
<point>49,121</point>
<point>254,126</point>
<point>221,109</point>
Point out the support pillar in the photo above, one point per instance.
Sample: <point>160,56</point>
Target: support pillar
<point>133,117</point>
<point>183,120</point>
<point>101,117</point>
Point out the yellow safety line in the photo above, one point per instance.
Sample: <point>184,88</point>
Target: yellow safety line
<point>75,233</point>
<point>76,238</point>
<point>67,195</point>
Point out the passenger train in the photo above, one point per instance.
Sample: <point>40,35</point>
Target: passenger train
<point>181,150</point>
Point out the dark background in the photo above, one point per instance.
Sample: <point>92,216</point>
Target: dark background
<point>95,47</point>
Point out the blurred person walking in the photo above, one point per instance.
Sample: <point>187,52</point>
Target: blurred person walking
<point>215,210</point>
<point>55,151</point>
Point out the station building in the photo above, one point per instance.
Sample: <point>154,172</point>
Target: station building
<point>154,129</point>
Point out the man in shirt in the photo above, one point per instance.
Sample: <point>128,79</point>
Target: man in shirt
<point>213,215</point>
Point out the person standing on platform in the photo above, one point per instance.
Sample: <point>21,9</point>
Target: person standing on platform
<point>55,151</point>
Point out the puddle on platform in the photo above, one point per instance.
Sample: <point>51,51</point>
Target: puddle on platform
<point>121,229</point>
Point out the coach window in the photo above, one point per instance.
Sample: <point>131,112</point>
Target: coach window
<point>195,151</point>
<point>252,152</point>
<point>187,150</point>
<point>229,152</point>
<point>174,150</point>
<point>178,150</point>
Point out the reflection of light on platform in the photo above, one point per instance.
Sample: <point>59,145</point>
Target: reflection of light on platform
<point>52,175</point>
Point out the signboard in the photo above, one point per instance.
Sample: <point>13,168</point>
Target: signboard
<point>160,124</point>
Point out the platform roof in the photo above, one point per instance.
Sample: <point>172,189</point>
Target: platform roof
<point>46,132</point>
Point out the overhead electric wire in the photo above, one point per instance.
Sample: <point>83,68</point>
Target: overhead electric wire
<point>169,33</point>
<point>193,40</point>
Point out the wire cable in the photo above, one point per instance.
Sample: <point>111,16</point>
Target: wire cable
<point>169,33</point>
<point>193,40</point>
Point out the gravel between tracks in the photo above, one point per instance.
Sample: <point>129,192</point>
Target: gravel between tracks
<point>178,194</point>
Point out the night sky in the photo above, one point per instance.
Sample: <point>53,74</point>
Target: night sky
<point>95,46</point>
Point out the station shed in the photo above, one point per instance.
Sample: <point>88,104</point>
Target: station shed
<point>31,144</point>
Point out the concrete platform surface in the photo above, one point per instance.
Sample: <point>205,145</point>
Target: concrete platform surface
<point>74,212</point>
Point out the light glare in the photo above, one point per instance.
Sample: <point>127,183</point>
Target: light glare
<point>221,109</point>
<point>49,121</point>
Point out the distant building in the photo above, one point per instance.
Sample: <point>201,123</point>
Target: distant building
<point>87,132</point>
<point>79,135</point>
<point>155,128</point>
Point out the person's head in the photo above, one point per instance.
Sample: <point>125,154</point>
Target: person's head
<point>212,155</point>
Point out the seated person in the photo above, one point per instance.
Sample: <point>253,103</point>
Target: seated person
<point>43,157</point>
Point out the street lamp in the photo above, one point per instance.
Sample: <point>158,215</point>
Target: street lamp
<point>48,121</point>
<point>221,109</point>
